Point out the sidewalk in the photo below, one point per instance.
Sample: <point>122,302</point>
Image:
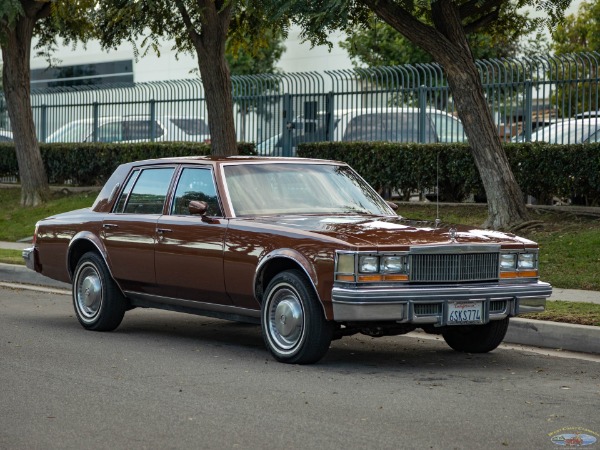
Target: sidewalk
<point>536,333</point>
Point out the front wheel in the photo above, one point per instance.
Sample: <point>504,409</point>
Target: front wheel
<point>476,338</point>
<point>98,302</point>
<point>293,324</point>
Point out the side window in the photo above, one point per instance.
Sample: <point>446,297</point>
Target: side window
<point>136,130</point>
<point>110,132</point>
<point>149,192</point>
<point>195,184</point>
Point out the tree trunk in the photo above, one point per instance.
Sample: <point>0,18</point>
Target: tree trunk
<point>209,43</point>
<point>447,43</point>
<point>16,50</point>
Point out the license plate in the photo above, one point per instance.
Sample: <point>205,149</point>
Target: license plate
<point>465,313</point>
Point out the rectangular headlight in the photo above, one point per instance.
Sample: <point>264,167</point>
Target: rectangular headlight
<point>345,263</point>
<point>392,264</point>
<point>526,261</point>
<point>508,261</point>
<point>368,264</point>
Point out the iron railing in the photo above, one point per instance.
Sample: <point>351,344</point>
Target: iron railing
<point>406,103</point>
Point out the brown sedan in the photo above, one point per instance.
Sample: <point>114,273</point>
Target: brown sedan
<point>306,248</point>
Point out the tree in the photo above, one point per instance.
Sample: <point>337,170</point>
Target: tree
<point>199,26</point>
<point>578,32</point>
<point>444,37</point>
<point>378,44</point>
<point>19,21</point>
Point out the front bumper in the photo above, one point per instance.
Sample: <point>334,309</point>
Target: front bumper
<point>429,304</point>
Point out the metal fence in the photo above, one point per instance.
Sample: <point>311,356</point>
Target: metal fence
<point>554,99</point>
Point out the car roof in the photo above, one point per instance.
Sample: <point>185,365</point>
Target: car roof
<point>224,160</point>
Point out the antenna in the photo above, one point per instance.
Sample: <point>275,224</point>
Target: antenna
<point>437,190</point>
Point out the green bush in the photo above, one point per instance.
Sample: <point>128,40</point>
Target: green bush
<point>543,171</point>
<point>91,164</point>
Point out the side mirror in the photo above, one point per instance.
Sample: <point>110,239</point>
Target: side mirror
<point>197,208</point>
<point>392,205</point>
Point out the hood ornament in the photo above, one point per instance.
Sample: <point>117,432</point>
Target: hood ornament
<point>452,235</point>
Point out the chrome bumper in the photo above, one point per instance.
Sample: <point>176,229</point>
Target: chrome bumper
<point>29,255</point>
<point>429,304</point>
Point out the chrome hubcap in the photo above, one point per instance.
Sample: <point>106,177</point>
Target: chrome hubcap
<point>89,292</point>
<point>286,319</point>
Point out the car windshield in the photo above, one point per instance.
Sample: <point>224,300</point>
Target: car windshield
<point>288,188</point>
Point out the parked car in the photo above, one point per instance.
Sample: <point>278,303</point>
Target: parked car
<point>567,131</point>
<point>306,248</point>
<point>133,129</point>
<point>371,124</point>
<point>6,136</point>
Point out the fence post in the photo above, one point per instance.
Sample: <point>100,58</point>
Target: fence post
<point>152,120</point>
<point>44,123</point>
<point>95,112</point>
<point>422,113</point>
<point>329,117</point>
<point>288,121</point>
<point>528,113</point>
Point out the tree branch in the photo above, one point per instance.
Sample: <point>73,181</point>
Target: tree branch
<point>475,8</point>
<point>420,34</point>
<point>481,22</point>
<point>187,20</point>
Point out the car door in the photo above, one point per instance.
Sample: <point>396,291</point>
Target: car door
<point>129,232</point>
<point>189,248</point>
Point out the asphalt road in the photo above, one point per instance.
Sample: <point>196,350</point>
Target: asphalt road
<point>168,380</point>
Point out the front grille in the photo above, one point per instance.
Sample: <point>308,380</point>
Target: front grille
<point>497,306</point>
<point>428,309</point>
<point>454,267</point>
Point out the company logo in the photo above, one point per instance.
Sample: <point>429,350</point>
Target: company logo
<point>574,437</point>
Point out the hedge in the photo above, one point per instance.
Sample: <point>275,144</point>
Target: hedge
<point>91,164</point>
<point>543,171</point>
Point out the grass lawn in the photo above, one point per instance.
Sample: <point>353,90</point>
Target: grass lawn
<point>569,244</point>
<point>19,223</point>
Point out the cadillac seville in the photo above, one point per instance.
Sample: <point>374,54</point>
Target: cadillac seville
<point>305,248</point>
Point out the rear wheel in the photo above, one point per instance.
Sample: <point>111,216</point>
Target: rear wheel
<point>98,302</point>
<point>293,324</point>
<point>476,338</point>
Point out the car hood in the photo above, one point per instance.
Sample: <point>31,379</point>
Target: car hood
<point>390,232</point>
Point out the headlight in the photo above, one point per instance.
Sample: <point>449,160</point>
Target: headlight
<point>526,261</point>
<point>508,261</point>
<point>368,264</point>
<point>392,264</point>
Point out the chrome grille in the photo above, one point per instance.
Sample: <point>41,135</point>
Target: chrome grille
<point>454,267</point>
<point>497,306</point>
<point>428,309</point>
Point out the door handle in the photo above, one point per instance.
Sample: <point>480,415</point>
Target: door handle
<point>110,225</point>
<point>163,230</point>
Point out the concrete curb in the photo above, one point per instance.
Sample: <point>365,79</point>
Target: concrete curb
<point>535,333</point>
<point>556,335</point>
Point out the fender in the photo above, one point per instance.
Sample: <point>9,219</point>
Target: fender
<point>297,258</point>
<point>92,239</point>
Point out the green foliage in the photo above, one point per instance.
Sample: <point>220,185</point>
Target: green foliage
<point>542,170</point>
<point>88,164</point>
<point>377,44</point>
<point>579,32</point>
<point>255,56</point>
